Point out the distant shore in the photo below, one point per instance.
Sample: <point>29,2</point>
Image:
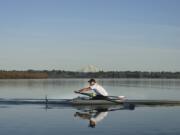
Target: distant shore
<point>45,74</point>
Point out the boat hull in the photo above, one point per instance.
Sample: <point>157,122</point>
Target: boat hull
<point>120,102</point>
<point>95,102</point>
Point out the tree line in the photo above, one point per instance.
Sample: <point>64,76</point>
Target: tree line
<point>23,75</point>
<point>37,74</point>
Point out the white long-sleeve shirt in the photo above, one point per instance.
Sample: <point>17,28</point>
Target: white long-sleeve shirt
<point>99,90</point>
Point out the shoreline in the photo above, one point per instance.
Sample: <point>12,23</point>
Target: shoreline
<point>57,74</point>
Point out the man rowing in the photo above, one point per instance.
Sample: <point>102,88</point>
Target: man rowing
<point>97,91</point>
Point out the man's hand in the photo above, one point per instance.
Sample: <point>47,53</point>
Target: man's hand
<point>77,91</point>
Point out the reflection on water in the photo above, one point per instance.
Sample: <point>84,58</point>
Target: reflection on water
<point>95,114</point>
<point>75,120</point>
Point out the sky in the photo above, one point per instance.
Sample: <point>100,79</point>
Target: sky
<point>119,35</point>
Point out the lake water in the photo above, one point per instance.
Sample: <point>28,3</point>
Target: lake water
<point>55,120</point>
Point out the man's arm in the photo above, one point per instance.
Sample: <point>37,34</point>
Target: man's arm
<point>83,90</point>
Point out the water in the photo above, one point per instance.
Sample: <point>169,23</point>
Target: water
<point>55,120</point>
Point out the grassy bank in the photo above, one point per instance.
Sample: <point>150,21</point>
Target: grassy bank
<point>22,75</point>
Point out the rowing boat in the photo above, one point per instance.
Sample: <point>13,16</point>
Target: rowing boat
<point>81,101</point>
<point>89,101</point>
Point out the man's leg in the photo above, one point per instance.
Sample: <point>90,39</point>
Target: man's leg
<point>99,97</point>
<point>89,94</point>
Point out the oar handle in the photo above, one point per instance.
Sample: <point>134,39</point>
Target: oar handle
<point>76,91</point>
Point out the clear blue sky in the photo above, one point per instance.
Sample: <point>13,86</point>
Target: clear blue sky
<point>70,34</point>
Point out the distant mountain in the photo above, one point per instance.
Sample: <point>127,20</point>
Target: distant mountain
<point>89,68</point>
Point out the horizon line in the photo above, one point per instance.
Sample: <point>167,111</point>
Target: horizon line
<point>86,72</point>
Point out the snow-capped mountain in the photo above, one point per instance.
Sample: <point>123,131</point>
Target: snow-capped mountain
<point>90,68</point>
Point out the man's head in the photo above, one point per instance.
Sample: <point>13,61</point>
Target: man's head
<point>92,81</point>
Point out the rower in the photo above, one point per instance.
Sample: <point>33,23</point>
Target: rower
<point>98,92</point>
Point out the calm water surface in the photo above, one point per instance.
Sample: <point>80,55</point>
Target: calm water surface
<point>55,120</point>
